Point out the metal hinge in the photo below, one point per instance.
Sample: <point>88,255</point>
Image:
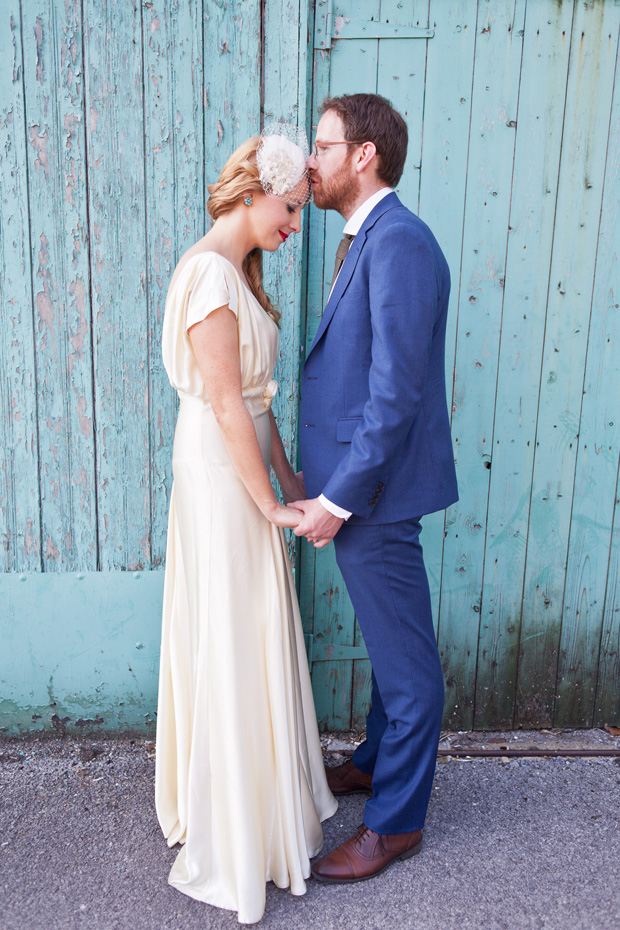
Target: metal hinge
<point>330,26</point>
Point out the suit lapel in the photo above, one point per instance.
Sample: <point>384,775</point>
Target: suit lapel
<point>348,267</point>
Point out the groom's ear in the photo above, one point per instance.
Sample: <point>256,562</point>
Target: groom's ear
<point>366,157</point>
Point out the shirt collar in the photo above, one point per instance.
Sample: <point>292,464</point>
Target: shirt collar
<point>354,223</point>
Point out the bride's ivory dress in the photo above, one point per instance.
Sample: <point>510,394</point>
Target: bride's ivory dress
<point>239,772</point>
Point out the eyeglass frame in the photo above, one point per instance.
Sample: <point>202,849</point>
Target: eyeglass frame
<point>340,142</point>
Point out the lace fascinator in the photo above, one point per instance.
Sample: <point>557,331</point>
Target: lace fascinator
<point>281,159</point>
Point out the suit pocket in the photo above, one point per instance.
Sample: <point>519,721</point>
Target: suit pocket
<point>346,426</point>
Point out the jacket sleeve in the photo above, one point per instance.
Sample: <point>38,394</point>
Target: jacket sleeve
<point>403,296</point>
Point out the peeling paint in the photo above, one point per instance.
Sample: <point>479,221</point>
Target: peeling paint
<point>86,423</point>
<point>39,143</point>
<point>38,33</point>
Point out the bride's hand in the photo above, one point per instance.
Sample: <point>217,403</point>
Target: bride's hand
<point>286,517</point>
<point>295,489</point>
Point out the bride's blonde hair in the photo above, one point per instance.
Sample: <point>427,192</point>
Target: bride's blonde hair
<point>239,176</point>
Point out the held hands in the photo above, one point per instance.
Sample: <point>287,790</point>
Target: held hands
<point>295,488</point>
<point>279,515</point>
<point>287,517</point>
<point>318,525</point>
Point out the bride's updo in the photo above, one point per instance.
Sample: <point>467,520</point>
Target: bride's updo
<point>240,175</point>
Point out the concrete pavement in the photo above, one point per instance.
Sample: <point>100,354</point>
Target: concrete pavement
<point>519,845</point>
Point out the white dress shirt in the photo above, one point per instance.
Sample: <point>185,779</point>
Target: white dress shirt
<point>352,227</point>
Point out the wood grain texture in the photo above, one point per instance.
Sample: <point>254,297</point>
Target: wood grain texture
<point>361,685</point>
<point>111,127</point>
<point>286,97</point>
<point>540,119</point>
<point>334,624</point>
<point>598,454</point>
<point>346,67</point>
<point>313,305</point>
<point>607,291</point>
<point>82,646</point>
<point>353,70</point>
<point>590,77</point>
<point>607,707</point>
<point>495,97</point>
<point>175,208</point>
<point>443,176</point>
<point>232,79</point>
<point>401,77</point>
<point>116,184</point>
<point>54,88</point>
<point>316,224</point>
<point>20,548</point>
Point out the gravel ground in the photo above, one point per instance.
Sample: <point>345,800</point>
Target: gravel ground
<point>530,843</point>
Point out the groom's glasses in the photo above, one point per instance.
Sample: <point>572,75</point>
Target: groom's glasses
<point>319,148</point>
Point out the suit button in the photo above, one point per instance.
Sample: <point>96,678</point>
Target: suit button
<point>381,485</point>
<point>372,502</point>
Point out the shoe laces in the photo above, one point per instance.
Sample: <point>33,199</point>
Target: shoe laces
<point>361,834</point>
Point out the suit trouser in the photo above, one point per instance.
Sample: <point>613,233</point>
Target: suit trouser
<point>383,568</point>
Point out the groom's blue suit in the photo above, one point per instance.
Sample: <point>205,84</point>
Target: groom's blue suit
<point>375,440</point>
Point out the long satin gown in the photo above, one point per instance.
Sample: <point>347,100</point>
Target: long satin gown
<point>239,772</point>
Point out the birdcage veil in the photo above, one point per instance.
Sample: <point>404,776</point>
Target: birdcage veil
<point>281,159</point>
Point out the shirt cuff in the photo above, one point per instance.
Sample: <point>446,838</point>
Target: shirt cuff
<point>334,508</point>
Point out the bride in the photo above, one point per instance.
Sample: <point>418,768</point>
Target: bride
<point>240,781</point>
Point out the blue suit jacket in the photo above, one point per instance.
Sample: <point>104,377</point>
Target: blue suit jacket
<point>374,428</point>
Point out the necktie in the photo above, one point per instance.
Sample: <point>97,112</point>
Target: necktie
<point>341,254</point>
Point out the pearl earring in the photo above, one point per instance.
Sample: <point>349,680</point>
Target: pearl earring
<point>248,201</point>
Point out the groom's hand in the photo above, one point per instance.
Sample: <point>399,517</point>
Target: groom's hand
<point>318,525</point>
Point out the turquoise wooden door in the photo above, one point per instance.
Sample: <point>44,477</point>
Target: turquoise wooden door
<point>514,123</point>
<point>114,118</point>
<point>513,111</point>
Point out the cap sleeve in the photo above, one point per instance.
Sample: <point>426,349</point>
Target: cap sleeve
<point>211,286</point>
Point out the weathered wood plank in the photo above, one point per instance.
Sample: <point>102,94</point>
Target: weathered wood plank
<point>494,105</point>
<point>350,67</point>
<point>331,685</point>
<point>590,77</point>
<point>115,151</point>
<point>401,77</point>
<point>311,316</point>
<point>316,230</point>
<point>401,65</point>
<point>334,623</point>
<point>607,706</point>
<point>597,462</point>
<point>53,77</point>
<point>232,79</point>
<point>443,171</point>
<point>19,482</point>
<point>175,207</point>
<point>81,645</point>
<point>534,190</point>
<point>353,70</point>
<point>362,686</point>
<point>285,97</point>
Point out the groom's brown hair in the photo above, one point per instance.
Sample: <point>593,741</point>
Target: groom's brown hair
<point>371,118</point>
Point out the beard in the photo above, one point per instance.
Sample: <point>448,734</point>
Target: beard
<point>338,192</point>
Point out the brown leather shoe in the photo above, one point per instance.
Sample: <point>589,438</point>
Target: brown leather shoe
<point>345,779</point>
<point>365,855</point>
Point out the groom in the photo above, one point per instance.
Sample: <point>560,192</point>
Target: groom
<point>376,455</point>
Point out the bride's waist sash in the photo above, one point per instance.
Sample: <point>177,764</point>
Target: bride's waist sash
<point>257,399</point>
